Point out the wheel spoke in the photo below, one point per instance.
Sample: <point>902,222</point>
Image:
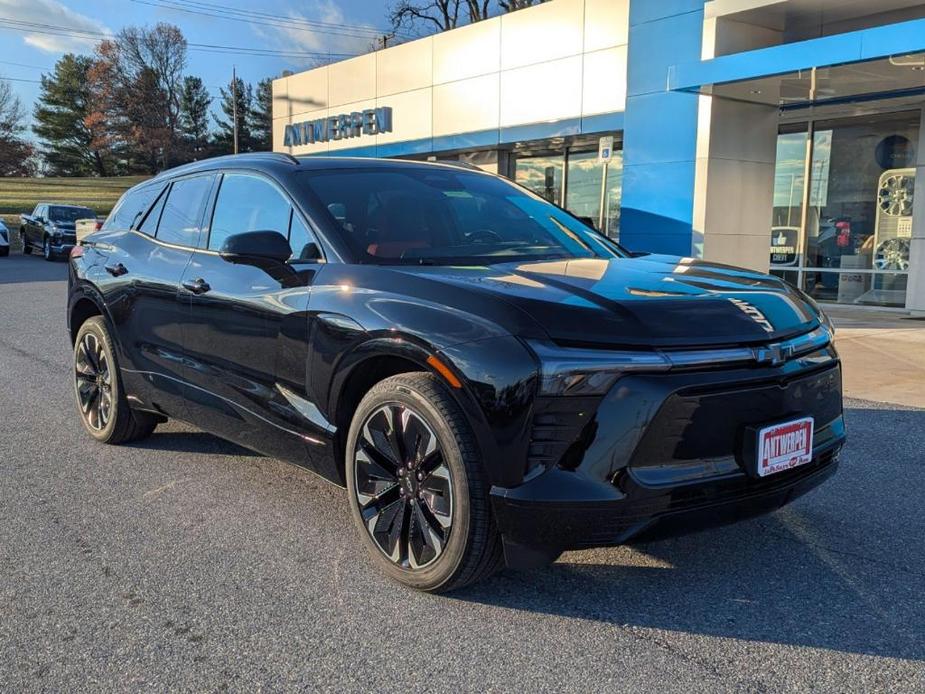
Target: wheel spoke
<point>84,364</point>
<point>374,472</point>
<point>425,540</point>
<point>379,433</point>
<point>437,495</point>
<point>416,439</point>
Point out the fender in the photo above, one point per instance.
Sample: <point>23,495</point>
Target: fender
<point>499,412</point>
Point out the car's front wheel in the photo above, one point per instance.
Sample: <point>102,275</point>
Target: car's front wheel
<point>417,489</point>
<point>26,248</point>
<point>101,402</point>
<point>47,252</point>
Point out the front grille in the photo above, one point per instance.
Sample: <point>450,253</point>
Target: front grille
<point>560,425</point>
<point>703,424</point>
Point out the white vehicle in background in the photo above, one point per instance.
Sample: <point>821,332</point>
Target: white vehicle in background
<point>4,240</point>
<point>84,227</point>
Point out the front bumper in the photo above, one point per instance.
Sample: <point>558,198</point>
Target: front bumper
<point>665,455</point>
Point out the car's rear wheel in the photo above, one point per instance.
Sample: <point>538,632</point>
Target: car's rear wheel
<point>417,489</point>
<point>101,402</point>
<point>4,251</point>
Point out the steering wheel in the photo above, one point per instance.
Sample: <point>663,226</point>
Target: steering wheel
<point>485,236</point>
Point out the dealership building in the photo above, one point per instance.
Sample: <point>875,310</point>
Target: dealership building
<point>782,135</point>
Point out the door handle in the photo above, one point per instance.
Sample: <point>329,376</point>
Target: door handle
<point>197,286</point>
<point>117,270</point>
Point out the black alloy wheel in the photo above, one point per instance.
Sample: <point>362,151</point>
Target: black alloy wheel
<point>403,486</point>
<point>93,382</point>
<point>417,486</point>
<point>26,248</point>
<point>46,250</point>
<point>101,402</point>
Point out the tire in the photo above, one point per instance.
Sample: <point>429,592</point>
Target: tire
<point>454,487</point>
<point>107,417</point>
<point>26,248</point>
<point>4,251</point>
<point>46,250</point>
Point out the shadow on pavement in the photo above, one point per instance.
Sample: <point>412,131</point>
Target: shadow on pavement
<point>843,568</point>
<point>192,442</point>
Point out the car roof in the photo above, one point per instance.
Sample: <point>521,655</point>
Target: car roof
<point>286,163</point>
<point>64,204</point>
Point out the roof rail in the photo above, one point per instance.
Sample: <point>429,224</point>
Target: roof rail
<point>193,165</point>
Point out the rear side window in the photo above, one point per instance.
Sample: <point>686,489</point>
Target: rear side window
<point>132,207</point>
<point>149,225</point>
<point>247,203</point>
<point>181,218</point>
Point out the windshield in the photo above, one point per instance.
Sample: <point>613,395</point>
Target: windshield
<point>70,214</point>
<point>436,216</point>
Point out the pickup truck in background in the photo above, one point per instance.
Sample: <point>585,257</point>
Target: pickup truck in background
<point>52,228</point>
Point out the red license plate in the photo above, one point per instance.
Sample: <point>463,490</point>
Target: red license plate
<point>785,446</point>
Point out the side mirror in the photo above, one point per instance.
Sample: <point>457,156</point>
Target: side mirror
<point>256,248</point>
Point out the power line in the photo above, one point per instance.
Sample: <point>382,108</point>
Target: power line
<point>36,67</point>
<point>19,79</point>
<point>55,30</point>
<point>209,9</point>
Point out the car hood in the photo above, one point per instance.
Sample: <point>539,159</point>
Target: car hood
<point>653,300</point>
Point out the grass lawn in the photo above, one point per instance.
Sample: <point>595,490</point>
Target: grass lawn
<point>18,195</point>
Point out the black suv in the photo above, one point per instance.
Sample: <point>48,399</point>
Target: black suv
<point>51,227</point>
<point>491,380</point>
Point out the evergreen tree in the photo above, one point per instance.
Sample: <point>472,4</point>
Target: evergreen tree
<point>70,139</point>
<point>194,117</point>
<point>224,139</point>
<point>261,116</point>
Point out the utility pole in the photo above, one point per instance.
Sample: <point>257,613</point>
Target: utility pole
<point>234,105</point>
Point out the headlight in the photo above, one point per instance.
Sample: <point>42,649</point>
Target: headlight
<point>567,371</point>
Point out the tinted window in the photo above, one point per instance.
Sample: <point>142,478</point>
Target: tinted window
<point>247,203</point>
<point>149,225</point>
<point>131,207</point>
<point>299,239</point>
<point>182,214</point>
<point>437,215</point>
<point>70,214</point>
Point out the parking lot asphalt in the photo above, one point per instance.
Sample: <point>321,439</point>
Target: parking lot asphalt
<point>187,563</point>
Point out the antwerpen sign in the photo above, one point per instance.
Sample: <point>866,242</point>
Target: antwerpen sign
<point>369,122</point>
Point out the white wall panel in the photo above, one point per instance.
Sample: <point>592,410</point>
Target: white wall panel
<point>405,68</point>
<point>467,105</point>
<point>545,32</point>
<point>467,52</point>
<point>545,92</point>
<point>307,91</point>
<point>606,24</point>
<point>412,117</point>
<point>604,81</point>
<point>352,80</point>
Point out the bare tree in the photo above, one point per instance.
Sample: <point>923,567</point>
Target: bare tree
<point>15,152</point>
<point>142,81</point>
<point>443,15</point>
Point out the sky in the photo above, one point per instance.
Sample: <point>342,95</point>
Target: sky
<point>25,52</point>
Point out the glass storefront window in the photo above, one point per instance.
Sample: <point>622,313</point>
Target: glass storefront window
<point>789,178</point>
<point>583,190</point>
<point>542,175</point>
<point>855,246</point>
